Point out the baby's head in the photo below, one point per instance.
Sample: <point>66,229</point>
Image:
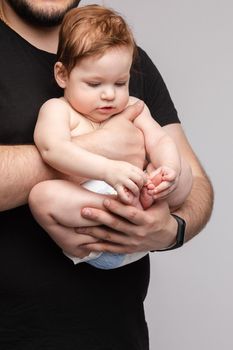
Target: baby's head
<point>95,54</point>
<point>90,31</point>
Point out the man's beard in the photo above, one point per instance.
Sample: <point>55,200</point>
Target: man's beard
<point>38,17</point>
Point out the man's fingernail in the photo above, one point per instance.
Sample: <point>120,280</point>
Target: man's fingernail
<point>86,212</point>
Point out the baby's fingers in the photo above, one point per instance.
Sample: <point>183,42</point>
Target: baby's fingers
<point>169,176</point>
<point>161,195</point>
<point>163,186</point>
<point>139,178</point>
<point>132,187</point>
<point>127,192</point>
<point>124,195</point>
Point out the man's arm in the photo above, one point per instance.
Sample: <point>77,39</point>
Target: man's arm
<point>197,208</point>
<point>21,168</point>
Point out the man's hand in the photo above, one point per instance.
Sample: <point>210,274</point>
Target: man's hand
<point>128,229</point>
<point>67,239</point>
<point>118,139</point>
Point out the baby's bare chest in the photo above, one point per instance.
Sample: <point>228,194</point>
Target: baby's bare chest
<point>79,125</point>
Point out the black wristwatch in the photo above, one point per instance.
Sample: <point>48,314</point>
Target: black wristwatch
<point>179,236</point>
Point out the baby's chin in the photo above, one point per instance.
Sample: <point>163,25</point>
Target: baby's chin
<point>103,114</point>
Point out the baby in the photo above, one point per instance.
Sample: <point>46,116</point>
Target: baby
<point>95,54</point>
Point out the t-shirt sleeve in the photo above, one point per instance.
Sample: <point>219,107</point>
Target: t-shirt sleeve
<point>156,94</point>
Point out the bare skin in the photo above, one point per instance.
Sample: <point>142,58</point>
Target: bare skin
<point>140,230</point>
<point>151,227</point>
<point>18,178</point>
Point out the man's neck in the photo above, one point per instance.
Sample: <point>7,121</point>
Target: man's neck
<point>42,38</point>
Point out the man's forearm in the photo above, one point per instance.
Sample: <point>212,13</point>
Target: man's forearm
<point>119,139</point>
<point>197,208</point>
<point>21,167</point>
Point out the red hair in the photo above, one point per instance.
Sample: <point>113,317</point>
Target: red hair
<point>91,30</point>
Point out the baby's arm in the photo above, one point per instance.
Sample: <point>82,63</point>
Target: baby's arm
<point>165,162</point>
<point>53,138</point>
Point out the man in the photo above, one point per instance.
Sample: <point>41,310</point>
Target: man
<point>46,301</point>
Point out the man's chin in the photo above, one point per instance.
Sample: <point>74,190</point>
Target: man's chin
<point>42,17</point>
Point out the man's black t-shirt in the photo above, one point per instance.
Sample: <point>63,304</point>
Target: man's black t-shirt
<point>46,302</point>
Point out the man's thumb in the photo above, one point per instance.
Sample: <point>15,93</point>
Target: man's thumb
<point>133,111</point>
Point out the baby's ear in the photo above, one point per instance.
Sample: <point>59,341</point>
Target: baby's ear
<point>60,74</point>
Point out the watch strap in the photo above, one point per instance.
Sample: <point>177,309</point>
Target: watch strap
<point>180,236</point>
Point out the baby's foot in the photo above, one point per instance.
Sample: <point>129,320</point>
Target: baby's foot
<point>146,198</point>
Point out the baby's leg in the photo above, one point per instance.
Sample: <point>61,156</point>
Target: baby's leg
<point>60,201</point>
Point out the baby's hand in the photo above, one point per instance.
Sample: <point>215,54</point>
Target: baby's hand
<point>161,182</point>
<point>125,178</point>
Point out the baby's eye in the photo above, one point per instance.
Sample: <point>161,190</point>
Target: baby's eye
<point>121,83</point>
<point>93,83</point>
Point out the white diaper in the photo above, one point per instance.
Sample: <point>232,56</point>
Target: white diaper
<point>99,186</point>
<point>91,256</point>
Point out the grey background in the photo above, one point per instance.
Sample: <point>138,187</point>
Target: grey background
<point>189,304</point>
